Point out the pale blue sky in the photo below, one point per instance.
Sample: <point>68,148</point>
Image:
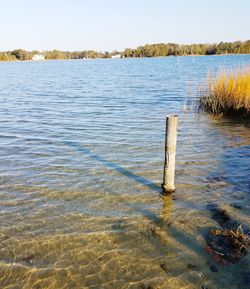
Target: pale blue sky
<point>117,24</point>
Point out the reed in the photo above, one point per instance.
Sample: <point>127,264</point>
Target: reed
<point>228,93</point>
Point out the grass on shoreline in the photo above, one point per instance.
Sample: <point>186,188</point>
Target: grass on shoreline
<point>227,94</point>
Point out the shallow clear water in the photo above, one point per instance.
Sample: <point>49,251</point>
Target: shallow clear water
<point>81,158</point>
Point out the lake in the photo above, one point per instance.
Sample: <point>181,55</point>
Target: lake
<point>81,163</point>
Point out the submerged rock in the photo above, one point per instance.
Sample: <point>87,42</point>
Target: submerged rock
<point>145,286</point>
<point>191,267</point>
<point>218,185</point>
<point>236,206</point>
<point>28,260</point>
<point>222,217</point>
<point>164,267</point>
<point>215,182</point>
<point>213,268</point>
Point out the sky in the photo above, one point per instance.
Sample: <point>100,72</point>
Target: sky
<point>107,25</point>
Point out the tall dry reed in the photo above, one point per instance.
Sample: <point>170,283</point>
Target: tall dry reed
<point>227,93</point>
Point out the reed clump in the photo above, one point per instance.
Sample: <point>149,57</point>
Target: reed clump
<point>231,244</point>
<point>226,93</point>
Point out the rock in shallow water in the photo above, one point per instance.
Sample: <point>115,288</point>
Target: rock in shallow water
<point>164,267</point>
<point>213,268</point>
<point>191,267</point>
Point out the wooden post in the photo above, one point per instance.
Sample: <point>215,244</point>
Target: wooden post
<point>170,152</point>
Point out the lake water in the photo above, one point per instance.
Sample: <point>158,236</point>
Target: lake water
<point>81,159</point>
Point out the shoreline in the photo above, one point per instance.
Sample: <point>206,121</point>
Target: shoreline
<point>110,58</point>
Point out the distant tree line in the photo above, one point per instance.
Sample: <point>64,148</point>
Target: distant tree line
<point>171,49</point>
<point>148,50</point>
<point>20,54</point>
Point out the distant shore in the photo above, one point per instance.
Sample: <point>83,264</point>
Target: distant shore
<point>98,58</point>
<point>148,50</point>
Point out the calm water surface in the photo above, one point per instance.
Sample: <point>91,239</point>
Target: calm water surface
<point>81,158</point>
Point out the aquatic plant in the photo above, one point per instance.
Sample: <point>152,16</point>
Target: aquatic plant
<point>238,240</point>
<point>228,93</point>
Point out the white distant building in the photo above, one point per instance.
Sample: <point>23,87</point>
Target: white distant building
<point>116,56</point>
<point>38,57</point>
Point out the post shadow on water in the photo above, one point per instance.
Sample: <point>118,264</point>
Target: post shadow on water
<point>127,173</point>
<point>167,207</point>
<point>167,200</point>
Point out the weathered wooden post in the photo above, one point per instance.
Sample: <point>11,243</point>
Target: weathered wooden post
<point>170,152</point>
